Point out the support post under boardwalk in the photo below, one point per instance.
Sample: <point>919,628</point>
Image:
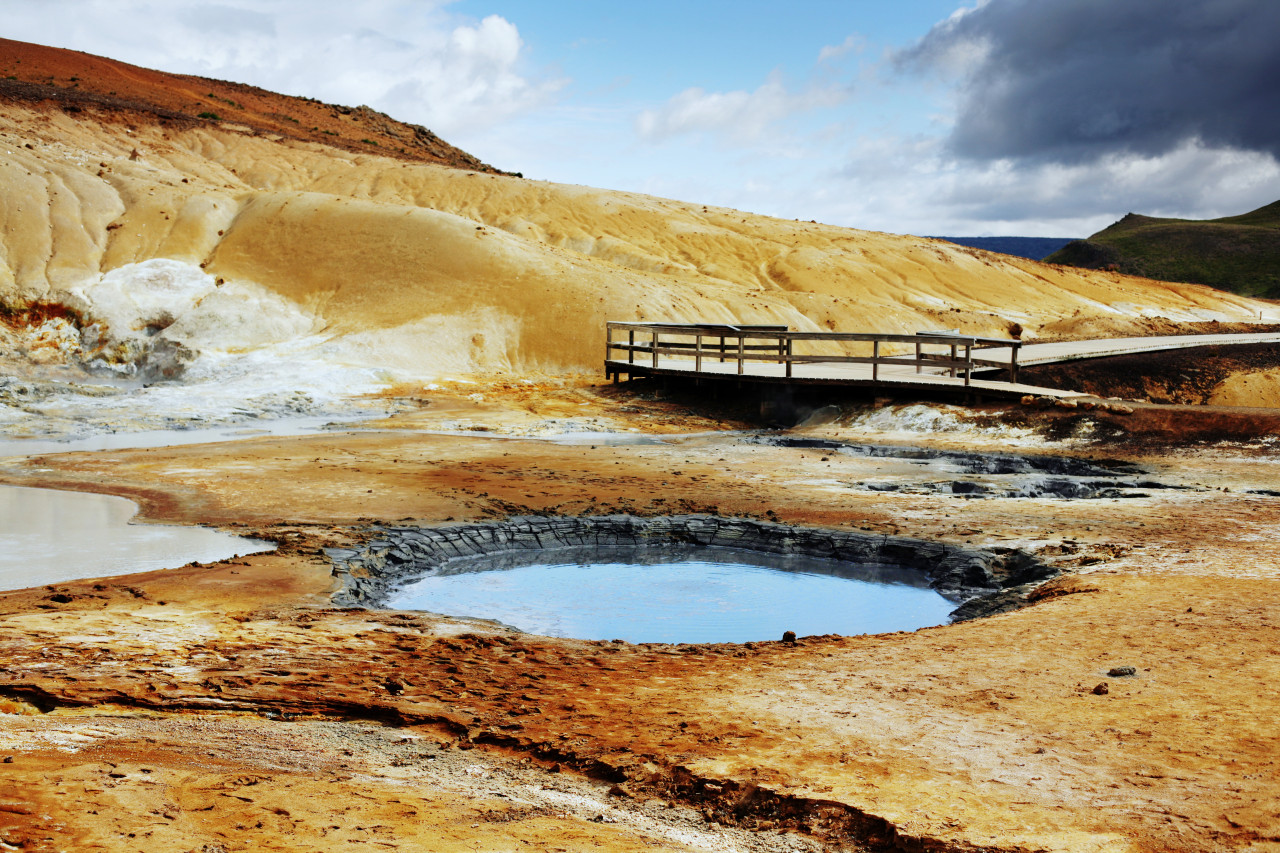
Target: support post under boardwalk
<point>777,403</point>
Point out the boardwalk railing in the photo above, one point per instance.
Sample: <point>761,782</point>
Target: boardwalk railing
<point>643,344</point>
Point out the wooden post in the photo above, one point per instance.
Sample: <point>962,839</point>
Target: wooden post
<point>742,341</point>
<point>875,361</point>
<point>789,354</point>
<point>919,364</point>
<point>1013,362</point>
<point>655,349</point>
<point>608,352</point>
<point>953,361</point>
<point>722,350</point>
<point>968,362</point>
<point>631,347</point>
<point>697,352</point>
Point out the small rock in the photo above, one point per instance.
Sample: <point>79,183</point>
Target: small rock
<point>789,637</point>
<point>1121,671</point>
<point>1101,690</point>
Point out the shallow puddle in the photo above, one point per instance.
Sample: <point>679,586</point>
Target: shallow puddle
<point>756,597</point>
<point>48,536</point>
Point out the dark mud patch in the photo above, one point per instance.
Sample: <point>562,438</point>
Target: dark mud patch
<point>968,461</point>
<point>1187,376</point>
<point>1149,426</point>
<point>1008,475</point>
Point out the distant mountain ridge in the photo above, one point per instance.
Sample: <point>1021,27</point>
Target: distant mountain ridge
<point>1034,248</point>
<point>1240,254</point>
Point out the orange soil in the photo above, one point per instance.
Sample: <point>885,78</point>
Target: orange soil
<point>986,735</point>
<point>80,80</point>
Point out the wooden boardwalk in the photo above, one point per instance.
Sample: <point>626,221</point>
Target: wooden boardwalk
<point>940,361</point>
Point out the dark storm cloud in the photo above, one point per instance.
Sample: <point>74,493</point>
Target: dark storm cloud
<point>1071,81</point>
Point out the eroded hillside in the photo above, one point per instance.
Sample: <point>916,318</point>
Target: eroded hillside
<point>151,240</point>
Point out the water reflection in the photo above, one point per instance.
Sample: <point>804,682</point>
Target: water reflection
<point>47,536</point>
<point>683,600</point>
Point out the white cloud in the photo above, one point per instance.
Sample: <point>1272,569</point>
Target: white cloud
<point>849,144</point>
<point>739,115</point>
<point>854,43</point>
<point>912,186</point>
<point>409,58</point>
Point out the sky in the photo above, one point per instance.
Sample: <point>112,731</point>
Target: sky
<point>1048,118</point>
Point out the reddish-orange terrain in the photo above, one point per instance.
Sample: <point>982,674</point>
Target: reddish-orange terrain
<point>232,706</point>
<point>74,82</point>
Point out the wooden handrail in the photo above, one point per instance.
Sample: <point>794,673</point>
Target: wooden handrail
<point>775,344</point>
<point>775,332</point>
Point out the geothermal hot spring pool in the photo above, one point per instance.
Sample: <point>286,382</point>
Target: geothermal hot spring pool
<point>719,596</point>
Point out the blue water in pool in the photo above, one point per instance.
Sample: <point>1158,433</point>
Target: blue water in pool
<point>689,601</point>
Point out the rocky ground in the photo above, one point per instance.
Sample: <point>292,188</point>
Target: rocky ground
<point>1130,706</point>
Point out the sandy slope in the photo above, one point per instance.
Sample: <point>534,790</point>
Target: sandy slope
<point>430,268</point>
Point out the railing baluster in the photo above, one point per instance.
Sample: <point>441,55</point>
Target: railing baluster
<point>776,344</point>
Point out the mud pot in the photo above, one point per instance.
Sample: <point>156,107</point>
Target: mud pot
<point>656,579</point>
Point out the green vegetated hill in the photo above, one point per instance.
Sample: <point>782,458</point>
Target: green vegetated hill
<point>1236,253</point>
